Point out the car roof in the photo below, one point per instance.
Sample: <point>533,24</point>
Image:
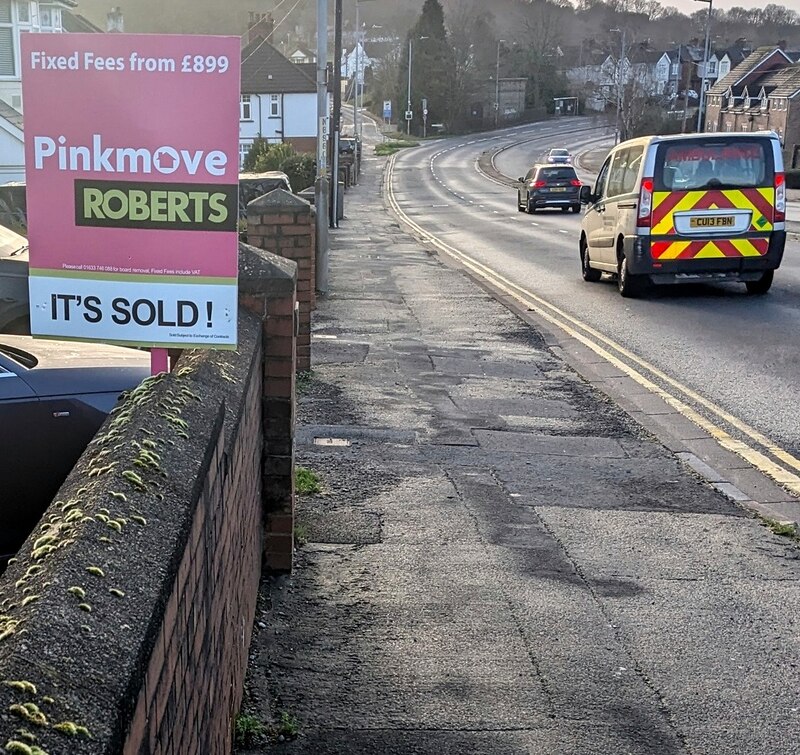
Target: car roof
<point>69,354</point>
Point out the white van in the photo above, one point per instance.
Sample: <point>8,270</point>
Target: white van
<point>687,208</point>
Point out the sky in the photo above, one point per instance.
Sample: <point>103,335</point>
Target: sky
<point>690,6</point>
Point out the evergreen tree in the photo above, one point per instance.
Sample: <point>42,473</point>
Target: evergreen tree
<point>432,67</point>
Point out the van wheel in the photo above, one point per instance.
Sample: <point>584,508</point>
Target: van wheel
<point>590,275</point>
<point>762,285</point>
<point>630,286</point>
<point>576,208</point>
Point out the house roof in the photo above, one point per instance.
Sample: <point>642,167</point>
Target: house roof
<point>14,117</point>
<point>752,61</point>
<point>302,50</point>
<point>639,55</point>
<point>74,23</point>
<point>266,71</point>
<point>782,83</point>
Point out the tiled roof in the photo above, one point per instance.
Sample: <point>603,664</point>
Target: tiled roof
<point>266,71</point>
<point>14,117</point>
<point>753,60</point>
<point>74,23</point>
<point>782,83</point>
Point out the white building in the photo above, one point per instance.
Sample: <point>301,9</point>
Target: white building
<point>16,18</point>
<point>278,101</point>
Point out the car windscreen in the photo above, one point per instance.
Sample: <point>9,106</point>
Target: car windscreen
<point>714,164</point>
<point>557,174</point>
<point>559,152</point>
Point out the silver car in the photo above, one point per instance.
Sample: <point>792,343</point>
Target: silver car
<point>559,156</point>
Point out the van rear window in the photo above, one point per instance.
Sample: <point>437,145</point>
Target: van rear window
<point>687,166</point>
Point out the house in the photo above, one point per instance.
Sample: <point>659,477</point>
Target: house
<point>300,54</point>
<point>761,93</point>
<point>645,67</point>
<point>594,79</point>
<point>278,99</point>
<point>18,17</point>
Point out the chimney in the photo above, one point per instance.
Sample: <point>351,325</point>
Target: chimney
<point>782,44</point>
<point>260,26</point>
<point>115,21</point>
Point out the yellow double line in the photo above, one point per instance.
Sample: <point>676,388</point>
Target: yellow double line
<point>635,367</point>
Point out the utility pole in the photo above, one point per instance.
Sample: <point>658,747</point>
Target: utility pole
<point>705,66</point>
<point>337,113</point>
<point>321,185</point>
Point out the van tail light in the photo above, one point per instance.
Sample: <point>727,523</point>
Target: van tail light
<point>780,198</point>
<point>645,204</point>
<point>575,182</point>
<point>540,184</point>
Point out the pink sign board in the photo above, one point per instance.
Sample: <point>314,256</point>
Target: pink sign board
<point>131,163</point>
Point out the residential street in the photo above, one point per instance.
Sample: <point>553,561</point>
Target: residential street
<point>502,560</point>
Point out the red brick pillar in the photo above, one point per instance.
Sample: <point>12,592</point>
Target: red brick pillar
<point>268,288</point>
<point>284,224</point>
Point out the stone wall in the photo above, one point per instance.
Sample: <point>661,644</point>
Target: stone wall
<point>125,619</point>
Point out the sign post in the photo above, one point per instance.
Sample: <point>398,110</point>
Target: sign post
<point>133,213</point>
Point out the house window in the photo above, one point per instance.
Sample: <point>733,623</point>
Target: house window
<point>24,12</point>
<point>274,105</point>
<point>674,69</point>
<point>244,149</point>
<point>245,108</point>
<point>7,52</point>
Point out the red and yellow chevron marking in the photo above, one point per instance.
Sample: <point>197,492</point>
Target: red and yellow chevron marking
<point>760,202</point>
<point>708,249</point>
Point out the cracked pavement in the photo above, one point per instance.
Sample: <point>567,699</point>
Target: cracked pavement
<point>502,561</point>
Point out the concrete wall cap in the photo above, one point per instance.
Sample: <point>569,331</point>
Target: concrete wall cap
<point>262,272</point>
<point>278,200</point>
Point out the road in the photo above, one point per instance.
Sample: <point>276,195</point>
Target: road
<point>732,357</point>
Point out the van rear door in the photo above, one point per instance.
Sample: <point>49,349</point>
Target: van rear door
<point>713,198</point>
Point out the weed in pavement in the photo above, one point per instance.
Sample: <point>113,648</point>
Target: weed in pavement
<point>306,481</point>
<point>287,726</point>
<point>303,382</point>
<point>247,730</point>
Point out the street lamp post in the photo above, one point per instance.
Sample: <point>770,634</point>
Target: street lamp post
<point>408,107</point>
<point>359,74</point>
<point>701,104</point>
<point>497,86</point>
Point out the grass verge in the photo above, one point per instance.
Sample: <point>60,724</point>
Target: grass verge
<point>389,148</point>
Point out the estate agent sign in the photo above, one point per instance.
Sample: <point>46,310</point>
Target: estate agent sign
<point>131,150</point>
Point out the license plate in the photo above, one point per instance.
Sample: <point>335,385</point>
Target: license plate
<point>558,189</point>
<point>712,221</point>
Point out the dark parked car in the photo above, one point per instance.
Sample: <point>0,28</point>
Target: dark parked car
<point>54,396</point>
<point>13,283</point>
<point>549,186</point>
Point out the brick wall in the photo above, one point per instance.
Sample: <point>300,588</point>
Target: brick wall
<point>125,619</point>
<point>284,224</point>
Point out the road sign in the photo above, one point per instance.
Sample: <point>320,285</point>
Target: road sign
<point>409,115</point>
<point>133,221</point>
<point>387,109</point>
